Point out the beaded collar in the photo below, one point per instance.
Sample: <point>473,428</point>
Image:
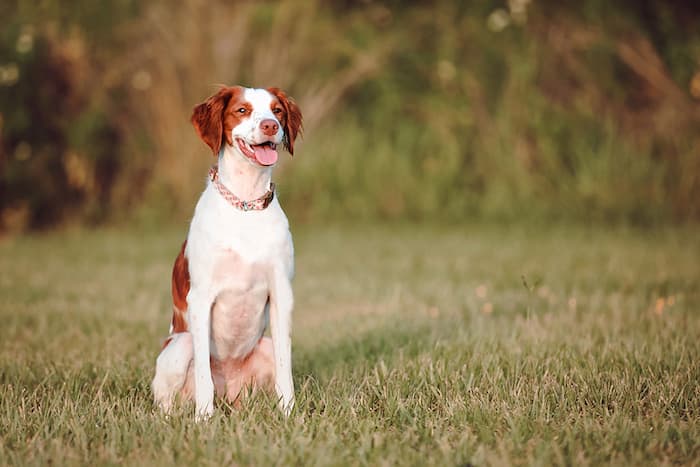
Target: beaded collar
<point>253,205</point>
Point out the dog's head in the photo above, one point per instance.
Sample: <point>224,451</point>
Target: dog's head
<point>252,121</point>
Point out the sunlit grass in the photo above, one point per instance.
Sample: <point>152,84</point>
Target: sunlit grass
<point>412,345</point>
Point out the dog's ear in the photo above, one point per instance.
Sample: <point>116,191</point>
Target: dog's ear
<point>292,122</point>
<point>208,118</point>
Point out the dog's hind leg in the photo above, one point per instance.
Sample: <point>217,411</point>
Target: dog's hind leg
<point>172,369</point>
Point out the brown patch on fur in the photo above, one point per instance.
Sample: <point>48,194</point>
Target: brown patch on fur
<point>180,288</point>
<point>232,376</point>
<point>290,119</point>
<point>236,110</point>
<point>256,371</point>
<point>208,118</point>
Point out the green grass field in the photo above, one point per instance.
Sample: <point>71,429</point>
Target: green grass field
<point>412,346</point>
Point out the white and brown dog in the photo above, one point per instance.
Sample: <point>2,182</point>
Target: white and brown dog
<point>233,274</point>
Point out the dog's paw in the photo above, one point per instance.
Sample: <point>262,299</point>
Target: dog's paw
<point>287,406</point>
<point>162,397</point>
<point>202,414</point>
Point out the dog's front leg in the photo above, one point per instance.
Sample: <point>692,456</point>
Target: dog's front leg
<point>281,304</point>
<point>199,310</point>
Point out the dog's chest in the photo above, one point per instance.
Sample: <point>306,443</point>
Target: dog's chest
<point>234,253</point>
<point>259,236</point>
<point>238,316</point>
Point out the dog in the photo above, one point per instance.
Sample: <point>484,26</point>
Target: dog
<point>233,274</point>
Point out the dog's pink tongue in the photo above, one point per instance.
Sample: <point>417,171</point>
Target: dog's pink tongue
<point>265,154</point>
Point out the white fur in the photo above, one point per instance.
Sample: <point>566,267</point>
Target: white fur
<point>255,252</point>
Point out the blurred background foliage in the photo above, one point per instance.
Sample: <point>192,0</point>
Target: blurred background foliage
<point>426,111</point>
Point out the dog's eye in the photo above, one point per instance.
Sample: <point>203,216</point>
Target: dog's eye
<point>242,110</point>
<point>277,111</point>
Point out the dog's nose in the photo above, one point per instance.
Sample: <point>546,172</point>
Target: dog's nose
<point>269,127</point>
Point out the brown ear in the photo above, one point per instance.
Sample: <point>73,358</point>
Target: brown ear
<point>208,119</point>
<point>292,124</point>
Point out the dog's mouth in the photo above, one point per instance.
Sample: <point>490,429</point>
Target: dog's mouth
<point>264,153</point>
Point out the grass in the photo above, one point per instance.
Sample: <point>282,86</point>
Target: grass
<point>412,346</point>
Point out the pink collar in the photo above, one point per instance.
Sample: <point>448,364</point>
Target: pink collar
<point>253,205</point>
